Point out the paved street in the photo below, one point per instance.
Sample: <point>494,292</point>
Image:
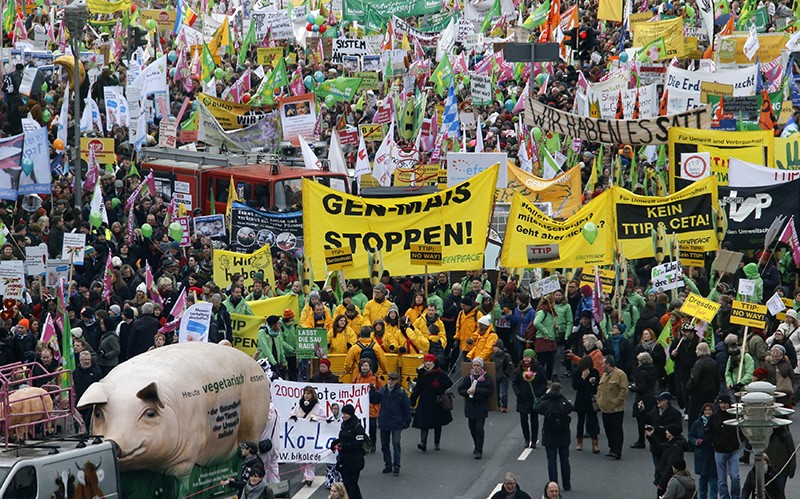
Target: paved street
<point>453,473</point>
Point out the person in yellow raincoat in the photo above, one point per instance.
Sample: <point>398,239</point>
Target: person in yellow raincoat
<point>365,375</point>
<point>392,329</point>
<point>417,308</point>
<point>466,325</point>
<point>319,319</point>
<point>412,342</point>
<point>365,347</point>
<point>340,336</point>
<point>354,318</point>
<point>483,341</point>
<point>426,324</point>
<point>378,306</point>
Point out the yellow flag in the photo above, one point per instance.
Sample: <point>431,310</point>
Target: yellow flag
<point>405,45</point>
<point>610,10</point>
<point>218,40</point>
<point>232,196</point>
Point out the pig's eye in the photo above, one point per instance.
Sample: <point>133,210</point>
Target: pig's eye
<point>150,413</point>
<point>98,414</point>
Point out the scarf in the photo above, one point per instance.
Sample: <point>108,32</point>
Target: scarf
<point>307,406</point>
<point>616,345</point>
<point>648,345</point>
<point>379,301</point>
<point>391,321</point>
<point>480,378</point>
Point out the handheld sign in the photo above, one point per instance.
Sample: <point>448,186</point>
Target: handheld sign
<point>775,305</point>
<point>699,307</point>
<point>667,276</point>
<point>747,287</point>
<point>692,256</point>
<point>426,254</point>
<point>748,314</point>
<point>607,279</point>
<point>338,259</point>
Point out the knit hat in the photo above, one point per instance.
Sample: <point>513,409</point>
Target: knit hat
<point>24,323</point>
<point>272,320</point>
<point>586,290</point>
<point>115,309</point>
<point>674,429</point>
<point>87,312</point>
<point>429,357</point>
<point>586,314</point>
<point>687,326</point>
<point>325,362</point>
<point>251,446</point>
<point>528,352</point>
<point>725,399</point>
<point>349,409</point>
<point>116,262</point>
<point>664,396</point>
<point>791,313</point>
<point>380,287</point>
<point>469,302</point>
<point>393,307</point>
<point>76,332</point>
<point>479,360</point>
<point>509,288</point>
<point>288,314</point>
<point>780,348</point>
<point>621,326</point>
<point>486,320</point>
<point>141,287</point>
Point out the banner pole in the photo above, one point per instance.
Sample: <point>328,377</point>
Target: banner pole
<point>426,284</point>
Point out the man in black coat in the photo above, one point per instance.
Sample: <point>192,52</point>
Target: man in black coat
<point>477,389</point>
<point>350,448</point>
<point>143,331</point>
<point>85,373</point>
<point>659,418</point>
<point>669,451</point>
<point>250,460</point>
<point>726,443</point>
<point>555,435</point>
<point>91,328</point>
<point>703,383</point>
<point>684,357</point>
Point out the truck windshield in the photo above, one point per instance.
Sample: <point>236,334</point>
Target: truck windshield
<point>287,192</point>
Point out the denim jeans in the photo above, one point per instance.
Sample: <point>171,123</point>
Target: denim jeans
<point>502,392</point>
<point>728,465</point>
<point>707,487</point>
<point>387,454</point>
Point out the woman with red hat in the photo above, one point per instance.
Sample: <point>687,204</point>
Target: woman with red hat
<point>427,395</point>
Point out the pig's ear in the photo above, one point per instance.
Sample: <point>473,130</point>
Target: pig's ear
<point>96,394</point>
<point>150,394</point>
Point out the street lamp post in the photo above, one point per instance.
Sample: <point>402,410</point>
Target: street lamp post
<point>755,416</point>
<point>75,17</point>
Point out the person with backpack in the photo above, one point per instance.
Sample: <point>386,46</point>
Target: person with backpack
<point>555,432</point>
<point>351,446</point>
<point>681,485</point>
<point>393,418</point>
<point>365,348</point>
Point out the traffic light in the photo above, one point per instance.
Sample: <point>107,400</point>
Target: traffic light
<point>571,38</point>
<point>585,43</point>
<point>137,37</point>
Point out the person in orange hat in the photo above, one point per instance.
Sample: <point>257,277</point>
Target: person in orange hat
<point>289,327</point>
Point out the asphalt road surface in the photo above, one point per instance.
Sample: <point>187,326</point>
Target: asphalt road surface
<point>453,473</point>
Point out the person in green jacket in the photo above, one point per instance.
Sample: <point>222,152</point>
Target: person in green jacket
<point>564,315</point>
<point>634,298</point>
<point>732,379</point>
<point>289,330</point>
<point>236,303</point>
<point>435,299</point>
<point>271,344</point>
<point>546,329</point>
<point>630,316</point>
<point>258,291</point>
<point>359,298</point>
<point>751,272</point>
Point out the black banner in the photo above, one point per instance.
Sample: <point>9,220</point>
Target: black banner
<point>251,229</point>
<point>751,210</point>
<point>692,214</point>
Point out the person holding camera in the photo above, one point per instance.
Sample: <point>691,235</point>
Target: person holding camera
<point>738,372</point>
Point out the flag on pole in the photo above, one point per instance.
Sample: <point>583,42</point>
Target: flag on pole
<point>68,357</point>
<point>108,287</point>
<point>789,237</point>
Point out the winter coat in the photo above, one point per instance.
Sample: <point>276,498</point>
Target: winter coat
<point>477,406</point>
<point>82,378</point>
<point>780,449</point>
<point>681,485</point>
<point>685,357</point>
<point>523,317</point>
<point>657,353</point>
<point>351,439</point>
<point>482,345</point>
<point>584,389</point>
<point>704,379</point>
<point>612,391</point>
<point>411,341</point>
<point>732,370</point>
<point>273,347</point>
<point>241,308</point>
<point>395,412</point>
<point>623,352</point>
<point>552,406</point>
<point>466,327</point>
<point>143,330</point>
<point>518,494</point>
<point>354,354</point>
<point>528,392</point>
<point>647,320</point>
<point>108,355</point>
<point>660,420</point>
<point>422,324</point>
<point>342,341</point>
<point>374,310</point>
<point>374,408</point>
<point>563,319</point>
<point>668,453</point>
<point>724,438</point>
<point>503,368</point>
<point>545,325</point>
<point>645,379</point>
<point>704,464</point>
<point>430,384</point>
<point>757,348</point>
<point>259,491</point>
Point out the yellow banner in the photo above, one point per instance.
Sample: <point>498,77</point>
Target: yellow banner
<point>607,279</point>
<point>562,192</point>
<point>690,213</point>
<point>671,30</point>
<point>748,314</point>
<point>105,7</point>
<point>731,48</point>
<point>231,115</point>
<point>164,18</point>
<point>266,56</point>
<point>227,263</point>
<point>754,147</point>
<point>787,153</point>
<point>697,306</point>
<point>533,239</point>
<point>610,10</point>
<point>274,306</point>
<point>455,218</point>
<point>245,332</point>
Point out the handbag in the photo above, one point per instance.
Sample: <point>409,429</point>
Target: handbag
<point>530,332</point>
<point>445,401</point>
<point>544,345</point>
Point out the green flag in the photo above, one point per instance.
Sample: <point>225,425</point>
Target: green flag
<point>653,51</point>
<point>634,172</point>
<point>249,39</point>
<point>66,341</point>
<point>8,17</point>
<point>537,16</point>
<point>441,75</point>
<point>664,339</point>
<point>341,88</point>
<point>495,11</point>
<point>207,63</point>
<point>211,197</point>
<point>278,78</point>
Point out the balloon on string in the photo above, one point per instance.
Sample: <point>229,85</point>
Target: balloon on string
<point>48,99</point>
<point>623,57</point>
<point>309,27</point>
<point>194,105</point>
<point>147,230</point>
<point>151,24</point>
<point>172,72</point>
<point>540,79</point>
<point>319,76</point>
<point>27,165</point>
<point>690,11</point>
<point>589,232</point>
<point>246,98</point>
<point>509,104</point>
<point>323,28</point>
<point>44,87</point>
<point>219,73</point>
<point>172,56</point>
<point>466,79</point>
<point>58,145</point>
<point>46,115</point>
<point>96,219</point>
<point>310,18</point>
<point>115,202</point>
<point>39,3</point>
<point>175,231</point>
<point>319,21</point>
<point>314,28</point>
<point>308,81</point>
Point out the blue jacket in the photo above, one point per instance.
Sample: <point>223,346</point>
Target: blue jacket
<point>704,464</point>
<point>395,413</point>
<point>521,320</point>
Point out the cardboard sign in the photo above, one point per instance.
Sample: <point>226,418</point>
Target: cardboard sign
<point>748,314</point>
<point>775,305</point>
<point>747,287</point>
<point>607,280</point>
<point>789,303</point>
<point>312,343</point>
<point>267,56</point>
<point>695,165</point>
<point>667,276</point>
<point>103,150</point>
<point>699,307</point>
<point>305,441</point>
<point>36,260</point>
<point>369,80</point>
<point>12,279</point>
<point>728,261</point>
<point>338,259</point>
<point>417,175</point>
<point>426,254</point>
<point>545,286</point>
<point>73,246</point>
<point>711,88</point>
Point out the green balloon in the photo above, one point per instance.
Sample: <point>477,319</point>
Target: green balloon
<point>115,202</point>
<point>466,79</point>
<point>537,134</point>
<point>46,115</point>
<point>44,87</point>
<point>147,230</point>
<point>96,219</point>
<point>219,73</point>
<point>151,24</point>
<point>175,231</point>
<point>39,3</point>
<point>690,11</point>
<point>589,232</point>
<point>319,21</point>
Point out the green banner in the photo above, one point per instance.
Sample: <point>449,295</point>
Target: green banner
<point>354,10</point>
<point>434,23</point>
<point>341,88</point>
<point>312,343</point>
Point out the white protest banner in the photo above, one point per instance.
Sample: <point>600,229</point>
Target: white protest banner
<point>545,286</point>
<point>305,441</point>
<point>116,107</point>
<point>462,166</point>
<point>667,276</point>
<point>683,86</point>
<point>695,165</point>
<point>745,174</point>
<point>465,29</point>
<point>476,10</point>
<point>481,88</point>
<point>244,139</point>
<point>36,260</point>
<point>12,279</point>
<point>168,132</point>
<point>607,101</point>
<point>747,287</point>
<point>278,20</point>
<point>467,120</point>
<point>73,247</point>
<point>57,268</point>
<point>36,148</point>
<point>348,46</point>
<point>28,77</point>
<point>286,395</point>
<point>153,80</point>
<point>195,323</point>
<point>775,305</point>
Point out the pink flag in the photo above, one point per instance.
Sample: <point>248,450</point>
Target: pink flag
<point>131,219</point>
<point>597,297</point>
<point>62,39</point>
<point>180,305</point>
<point>296,85</point>
<point>789,236</point>
<point>151,290</point>
<point>150,182</point>
<point>49,336</point>
<point>108,287</point>
<point>520,105</point>
<point>61,304</point>
<point>171,212</point>
<point>92,172</point>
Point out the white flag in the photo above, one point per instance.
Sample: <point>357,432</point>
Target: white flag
<point>309,158</point>
<point>382,167</point>
<point>751,45</point>
<point>337,162</point>
<point>524,161</point>
<point>98,204</point>
<point>63,118</point>
<point>478,138</point>
<point>794,42</point>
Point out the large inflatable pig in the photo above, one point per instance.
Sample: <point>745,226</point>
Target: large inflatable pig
<point>173,407</point>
